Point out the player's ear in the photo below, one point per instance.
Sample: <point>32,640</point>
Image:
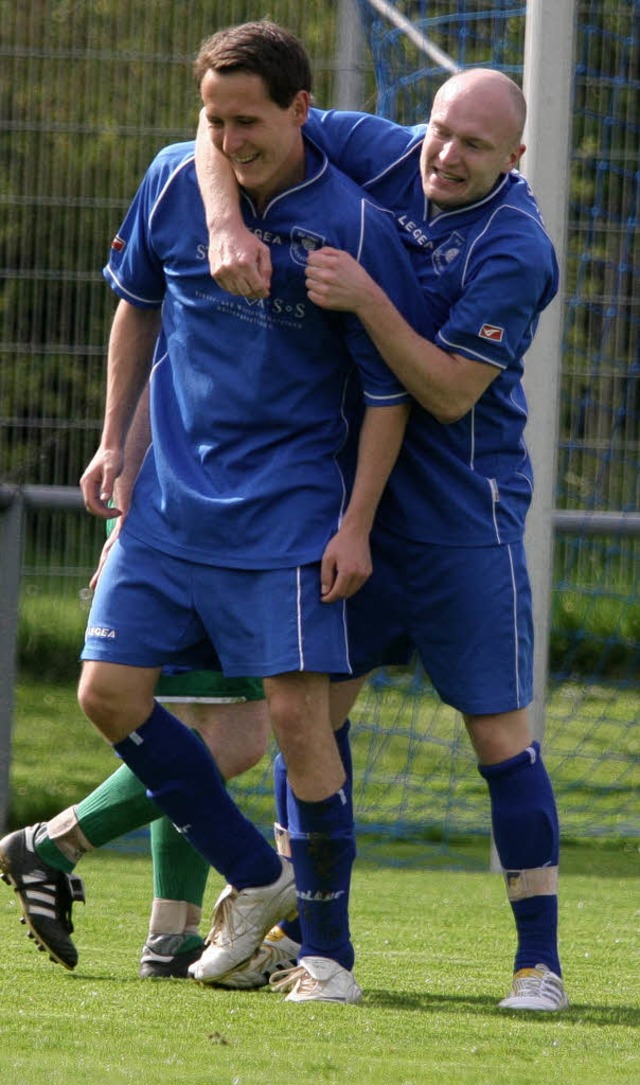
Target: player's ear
<point>300,106</point>
<point>514,157</point>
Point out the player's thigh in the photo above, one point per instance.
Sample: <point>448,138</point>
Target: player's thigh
<point>470,617</point>
<point>111,691</point>
<point>272,621</point>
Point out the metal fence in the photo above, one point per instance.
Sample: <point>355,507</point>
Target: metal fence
<point>88,93</point>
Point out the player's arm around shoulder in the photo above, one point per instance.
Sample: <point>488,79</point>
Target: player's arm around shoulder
<point>445,383</point>
<point>511,275</point>
<point>363,145</point>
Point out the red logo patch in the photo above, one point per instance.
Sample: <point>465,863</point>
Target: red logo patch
<point>492,332</point>
<point>118,243</point>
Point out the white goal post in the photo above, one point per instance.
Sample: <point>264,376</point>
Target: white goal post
<point>547,85</point>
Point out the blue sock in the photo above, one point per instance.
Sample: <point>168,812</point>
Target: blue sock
<point>282,791</point>
<point>344,749</point>
<point>183,780</point>
<point>323,851</point>
<point>291,927</point>
<point>526,833</point>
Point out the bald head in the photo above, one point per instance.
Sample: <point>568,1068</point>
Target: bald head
<point>490,91</point>
<point>473,138</point>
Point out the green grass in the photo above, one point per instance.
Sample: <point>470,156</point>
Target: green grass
<point>57,756</point>
<point>51,630</point>
<point>434,950</point>
<point>433,956</point>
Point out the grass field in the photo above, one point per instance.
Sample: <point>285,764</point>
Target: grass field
<point>434,951</point>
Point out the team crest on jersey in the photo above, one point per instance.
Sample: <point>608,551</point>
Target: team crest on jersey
<point>493,332</point>
<point>302,243</point>
<point>118,243</point>
<point>447,253</point>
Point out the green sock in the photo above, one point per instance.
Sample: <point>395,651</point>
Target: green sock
<point>51,854</point>
<point>179,871</point>
<point>117,806</point>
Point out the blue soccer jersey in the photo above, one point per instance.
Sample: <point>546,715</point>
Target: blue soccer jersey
<point>251,399</point>
<point>487,271</point>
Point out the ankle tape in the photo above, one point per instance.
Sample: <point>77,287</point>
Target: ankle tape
<point>539,882</point>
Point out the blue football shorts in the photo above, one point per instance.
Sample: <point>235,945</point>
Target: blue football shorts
<point>152,609</point>
<point>465,610</point>
<point>182,684</point>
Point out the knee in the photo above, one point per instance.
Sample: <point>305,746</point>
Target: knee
<point>499,737</point>
<point>107,706</point>
<point>92,697</point>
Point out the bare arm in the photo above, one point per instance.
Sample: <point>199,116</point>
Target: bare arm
<point>136,444</point>
<point>131,344</point>
<point>446,385</point>
<point>346,562</point>
<point>239,262</point>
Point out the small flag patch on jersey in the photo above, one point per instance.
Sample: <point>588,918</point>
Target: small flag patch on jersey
<point>492,332</point>
<point>118,243</point>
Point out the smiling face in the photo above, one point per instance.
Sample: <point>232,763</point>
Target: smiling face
<point>473,137</point>
<point>262,141</point>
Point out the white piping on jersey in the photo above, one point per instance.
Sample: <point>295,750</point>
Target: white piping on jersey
<point>296,188</point>
<point>397,162</point>
<point>520,474</point>
<point>299,619</point>
<point>170,179</point>
<point>151,303</point>
<point>518,406</point>
<point>347,430</point>
<point>401,396</point>
<point>472,457</point>
<point>157,361</point>
<point>522,443</point>
<point>491,482</point>
<point>361,237</point>
<point>439,215</point>
<point>489,223</point>
<point>516,666</point>
<point>345,629</point>
<point>467,352</point>
<point>495,497</point>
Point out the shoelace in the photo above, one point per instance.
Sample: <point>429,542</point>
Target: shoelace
<point>286,978</point>
<point>532,982</point>
<point>539,982</point>
<point>222,921</point>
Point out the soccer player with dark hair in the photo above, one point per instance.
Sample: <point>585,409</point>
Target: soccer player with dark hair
<point>249,522</point>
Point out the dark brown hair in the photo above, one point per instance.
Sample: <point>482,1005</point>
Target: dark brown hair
<point>262,48</point>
